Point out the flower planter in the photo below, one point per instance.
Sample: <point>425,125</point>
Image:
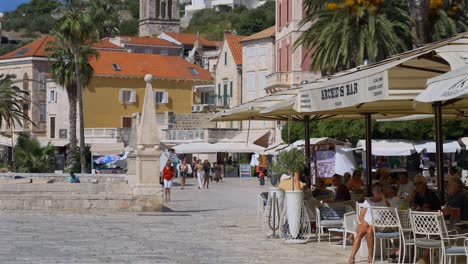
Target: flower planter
<point>293,211</point>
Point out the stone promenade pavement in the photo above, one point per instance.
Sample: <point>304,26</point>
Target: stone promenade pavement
<point>217,225</point>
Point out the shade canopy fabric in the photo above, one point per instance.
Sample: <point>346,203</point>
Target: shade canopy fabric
<point>205,148</point>
<point>449,146</point>
<point>344,161</point>
<point>107,148</point>
<point>257,137</point>
<point>274,150</point>
<point>392,147</point>
<point>321,140</point>
<point>195,148</point>
<point>464,142</point>
<point>451,85</point>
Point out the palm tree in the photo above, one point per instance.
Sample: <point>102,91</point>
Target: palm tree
<point>77,28</point>
<point>62,70</point>
<point>345,34</point>
<point>11,101</point>
<point>31,157</point>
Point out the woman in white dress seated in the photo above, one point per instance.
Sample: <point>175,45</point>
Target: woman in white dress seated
<point>365,218</point>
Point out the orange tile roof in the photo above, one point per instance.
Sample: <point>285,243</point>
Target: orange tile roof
<point>106,44</point>
<point>267,33</point>
<point>139,64</point>
<point>189,39</point>
<point>146,41</point>
<point>36,48</point>
<point>234,42</point>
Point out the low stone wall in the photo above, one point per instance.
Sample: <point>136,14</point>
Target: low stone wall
<point>94,193</point>
<point>79,203</point>
<point>63,177</point>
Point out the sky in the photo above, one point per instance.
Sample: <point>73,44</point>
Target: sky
<point>8,5</point>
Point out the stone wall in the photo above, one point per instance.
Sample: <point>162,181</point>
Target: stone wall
<point>62,177</point>
<point>95,193</point>
<point>193,121</point>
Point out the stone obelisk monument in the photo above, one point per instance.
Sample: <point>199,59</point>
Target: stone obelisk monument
<point>147,189</point>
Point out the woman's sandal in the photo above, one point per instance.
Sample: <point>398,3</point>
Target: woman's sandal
<point>351,260</point>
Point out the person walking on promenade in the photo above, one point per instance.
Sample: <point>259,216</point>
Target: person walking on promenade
<point>194,167</point>
<point>207,170</point>
<point>184,171</point>
<point>168,175</point>
<point>199,173</point>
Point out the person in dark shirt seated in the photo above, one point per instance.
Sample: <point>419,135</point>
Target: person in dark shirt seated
<point>423,198</point>
<point>342,192</point>
<point>457,198</point>
<point>320,189</point>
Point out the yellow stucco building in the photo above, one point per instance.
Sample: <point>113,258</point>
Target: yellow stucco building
<point>117,88</point>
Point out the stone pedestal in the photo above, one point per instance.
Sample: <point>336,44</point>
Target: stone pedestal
<point>147,190</point>
<point>147,172</point>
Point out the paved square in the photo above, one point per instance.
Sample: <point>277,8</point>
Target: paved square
<point>217,225</point>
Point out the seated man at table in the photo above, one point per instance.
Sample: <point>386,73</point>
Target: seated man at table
<point>406,187</point>
<point>457,198</point>
<point>320,189</point>
<point>423,198</point>
<point>342,192</point>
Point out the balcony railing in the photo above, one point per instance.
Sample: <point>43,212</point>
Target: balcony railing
<point>278,80</point>
<point>102,132</point>
<point>183,135</point>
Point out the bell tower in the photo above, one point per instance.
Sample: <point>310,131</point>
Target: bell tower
<point>157,16</point>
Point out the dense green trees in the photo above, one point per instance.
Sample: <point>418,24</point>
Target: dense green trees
<point>212,23</point>
<point>32,17</point>
<point>35,16</point>
<point>353,130</point>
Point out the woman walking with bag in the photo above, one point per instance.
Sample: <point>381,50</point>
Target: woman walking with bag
<point>168,175</point>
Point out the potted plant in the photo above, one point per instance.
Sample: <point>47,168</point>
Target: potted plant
<point>293,161</point>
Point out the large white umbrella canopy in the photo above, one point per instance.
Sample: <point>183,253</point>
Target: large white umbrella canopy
<point>450,88</point>
<point>389,147</point>
<point>451,146</point>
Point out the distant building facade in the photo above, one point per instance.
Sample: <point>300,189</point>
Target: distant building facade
<point>292,63</point>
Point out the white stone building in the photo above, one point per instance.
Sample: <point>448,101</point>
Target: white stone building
<point>228,78</point>
<point>197,5</point>
<point>258,57</point>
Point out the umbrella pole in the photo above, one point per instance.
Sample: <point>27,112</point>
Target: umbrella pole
<point>248,133</point>
<point>439,149</point>
<point>368,121</point>
<point>307,149</point>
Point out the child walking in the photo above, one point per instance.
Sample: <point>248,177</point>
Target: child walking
<point>168,175</point>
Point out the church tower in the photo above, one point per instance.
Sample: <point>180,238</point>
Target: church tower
<point>157,16</point>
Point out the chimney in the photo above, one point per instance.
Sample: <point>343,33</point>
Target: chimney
<point>227,32</point>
